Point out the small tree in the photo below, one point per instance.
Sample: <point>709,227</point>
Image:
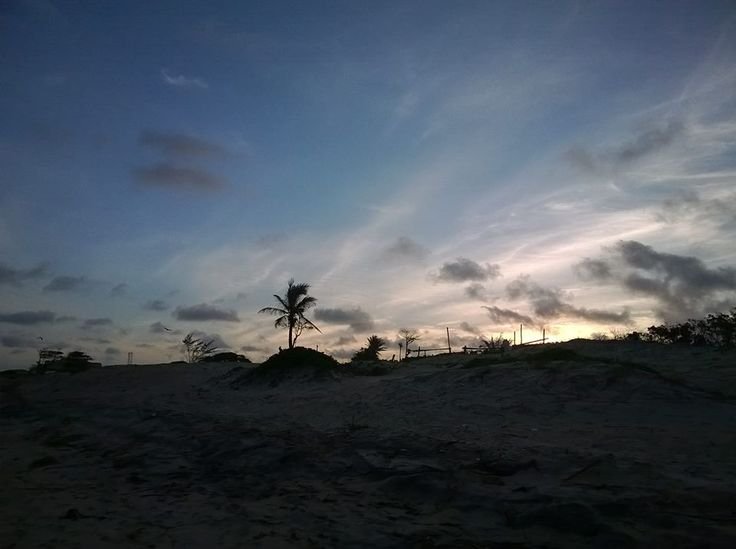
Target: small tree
<point>371,351</point>
<point>409,337</point>
<point>198,349</point>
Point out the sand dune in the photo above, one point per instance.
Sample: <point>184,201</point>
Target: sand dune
<point>601,444</point>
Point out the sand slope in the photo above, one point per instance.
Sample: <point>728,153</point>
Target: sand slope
<point>614,445</point>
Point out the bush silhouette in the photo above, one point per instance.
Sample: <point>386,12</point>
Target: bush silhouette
<point>297,363</point>
<point>371,351</point>
<point>226,357</point>
<point>75,361</point>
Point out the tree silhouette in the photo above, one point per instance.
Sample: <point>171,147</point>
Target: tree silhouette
<point>371,351</point>
<point>292,306</point>
<point>409,337</point>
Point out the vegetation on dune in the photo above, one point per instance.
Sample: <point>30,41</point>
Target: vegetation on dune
<point>227,357</point>
<point>299,358</point>
<point>290,363</point>
<point>291,310</point>
<point>55,361</point>
<point>198,349</point>
<point>717,330</point>
<point>375,346</point>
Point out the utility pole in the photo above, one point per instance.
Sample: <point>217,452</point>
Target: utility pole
<point>449,349</point>
<point>521,334</point>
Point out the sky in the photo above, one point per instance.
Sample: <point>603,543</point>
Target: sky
<point>166,167</point>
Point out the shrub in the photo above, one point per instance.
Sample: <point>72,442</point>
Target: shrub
<point>226,357</point>
<point>75,361</point>
<point>296,363</point>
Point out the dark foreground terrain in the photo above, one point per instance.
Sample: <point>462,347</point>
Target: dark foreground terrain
<point>584,444</point>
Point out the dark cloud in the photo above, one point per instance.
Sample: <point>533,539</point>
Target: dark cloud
<point>98,340</point>
<point>404,248</point>
<point>203,312</point>
<point>647,142</point>
<point>469,328</point>
<point>549,303</point>
<point>119,290</point>
<point>253,349</point>
<point>683,286</point>
<point>28,318</point>
<point>18,342</point>
<point>156,305</point>
<point>66,284</point>
<point>15,277</point>
<point>466,270</point>
<point>178,177</point>
<point>593,269</point>
<point>476,290</point>
<point>357,319</point>
<point>507,316</point>
<point>97,322</point>
<point>112,351</point>
<point>181,145</point>
<point>65,318</point>
<point>159,328</point>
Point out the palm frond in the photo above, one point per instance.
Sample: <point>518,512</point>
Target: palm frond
<point>273,311</point>
<point>310,323</point>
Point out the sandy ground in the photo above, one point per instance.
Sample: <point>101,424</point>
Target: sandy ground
<point>625,445</point>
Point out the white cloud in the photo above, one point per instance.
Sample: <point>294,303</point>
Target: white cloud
<point>181,81</point>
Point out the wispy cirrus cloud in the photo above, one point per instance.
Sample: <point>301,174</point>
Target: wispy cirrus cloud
<point>181,81</point>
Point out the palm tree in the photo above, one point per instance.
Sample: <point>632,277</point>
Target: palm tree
<point>292,306</point>
<point>371,351</point>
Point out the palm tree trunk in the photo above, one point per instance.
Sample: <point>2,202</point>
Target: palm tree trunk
<point>291,328</point>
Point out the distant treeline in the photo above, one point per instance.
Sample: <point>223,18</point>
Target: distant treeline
<point>717,330</point>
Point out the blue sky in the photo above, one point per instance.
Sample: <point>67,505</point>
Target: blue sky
<point>421,164</point>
